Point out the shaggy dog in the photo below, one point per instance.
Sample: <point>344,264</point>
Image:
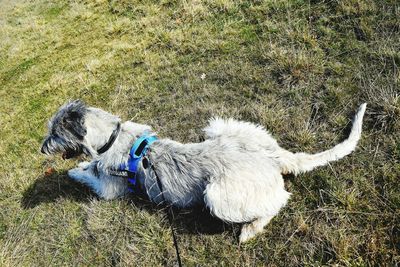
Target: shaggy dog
<point>236,172</point>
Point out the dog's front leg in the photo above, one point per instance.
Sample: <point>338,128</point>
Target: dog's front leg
<point>84,165</point>
<point>84,174</point>
<point>104,185</point>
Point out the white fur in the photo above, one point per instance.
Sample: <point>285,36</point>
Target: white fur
<point>237,171</point>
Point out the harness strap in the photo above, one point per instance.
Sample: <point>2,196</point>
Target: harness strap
<point>136,155</point>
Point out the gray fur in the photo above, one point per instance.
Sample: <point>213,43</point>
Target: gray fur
<point>66,129</point>
<point>236,171</point>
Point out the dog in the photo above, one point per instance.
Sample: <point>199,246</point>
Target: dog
<point>236,172</point>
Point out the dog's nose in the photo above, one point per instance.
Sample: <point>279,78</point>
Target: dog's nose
<point>44,148</point>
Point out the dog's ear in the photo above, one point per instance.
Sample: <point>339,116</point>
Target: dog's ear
<point>74,118</point>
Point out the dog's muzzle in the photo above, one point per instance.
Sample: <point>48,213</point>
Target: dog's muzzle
<point>50,146</point>
<point>71,153</point>
<point>45,146</point>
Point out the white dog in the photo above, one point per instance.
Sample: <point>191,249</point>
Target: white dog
<point>236,172</point>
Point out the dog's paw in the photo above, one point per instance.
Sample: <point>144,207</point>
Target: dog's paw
<point>75,174</point>
<point>248,232</point>
<point>84,165</point>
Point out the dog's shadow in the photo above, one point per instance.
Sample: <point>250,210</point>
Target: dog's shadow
<point>55,187</point>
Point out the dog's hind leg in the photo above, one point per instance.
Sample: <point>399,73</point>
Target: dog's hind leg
<point>251,197</point>
<point>250,230</point>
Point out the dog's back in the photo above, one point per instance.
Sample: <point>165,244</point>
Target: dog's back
<point>255,138</point>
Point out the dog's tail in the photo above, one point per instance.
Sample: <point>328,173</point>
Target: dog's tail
<point>303,162</point>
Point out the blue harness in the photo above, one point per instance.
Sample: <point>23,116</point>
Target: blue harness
<point>136,154</point>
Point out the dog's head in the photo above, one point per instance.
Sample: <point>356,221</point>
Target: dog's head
<point>66,131</point>
<point>78,129</point>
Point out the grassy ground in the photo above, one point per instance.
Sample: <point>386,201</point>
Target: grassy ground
<point>300,68</point>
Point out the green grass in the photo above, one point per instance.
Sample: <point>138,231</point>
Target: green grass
<point>300,68</point>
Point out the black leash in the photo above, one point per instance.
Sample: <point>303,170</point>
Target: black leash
<point>131,175</point>
<point>170,215</point>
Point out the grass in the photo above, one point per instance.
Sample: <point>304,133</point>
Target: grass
<point>300,68</point>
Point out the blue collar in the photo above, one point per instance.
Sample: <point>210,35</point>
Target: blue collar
<point>136,154</point>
